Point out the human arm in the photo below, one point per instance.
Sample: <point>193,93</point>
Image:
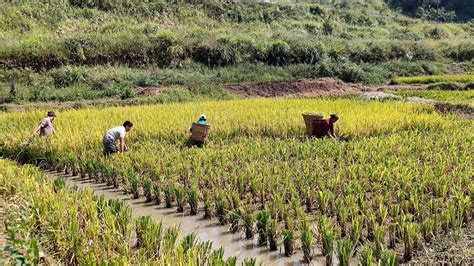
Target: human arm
<point>41,125</point>
<point>331,133</point>
<point>36,130</point>
<point>123,146</point>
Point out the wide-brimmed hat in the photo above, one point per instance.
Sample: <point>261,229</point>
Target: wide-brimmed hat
<point>202,117</point>
<point>51,113</point>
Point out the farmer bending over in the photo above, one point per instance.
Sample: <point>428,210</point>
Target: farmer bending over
<point>325,127</point>
<point>46,128</point>
<point>114,134</point>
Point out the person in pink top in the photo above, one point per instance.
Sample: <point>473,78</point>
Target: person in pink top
<point>325,128</point>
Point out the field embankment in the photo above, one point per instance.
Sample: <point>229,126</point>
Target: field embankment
<point>311,88</point>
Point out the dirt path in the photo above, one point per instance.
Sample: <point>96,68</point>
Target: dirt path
<point>308,88</point>
<point>284,88</point>
<point>205,230</point>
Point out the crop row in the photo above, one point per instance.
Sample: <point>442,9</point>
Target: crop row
<point>467,78</point>
<point>77,228</point>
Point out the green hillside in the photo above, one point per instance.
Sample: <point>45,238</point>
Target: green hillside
<point>84,50</point>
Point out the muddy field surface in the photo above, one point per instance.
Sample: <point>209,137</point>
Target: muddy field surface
<point>306,87</point>
<point>309,88</point>
<point>448,250</point>
<point>464,111</point>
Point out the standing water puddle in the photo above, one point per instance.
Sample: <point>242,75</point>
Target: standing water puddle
<point>205,229</point>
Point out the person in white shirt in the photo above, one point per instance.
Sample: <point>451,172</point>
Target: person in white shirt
<point>114,134</point>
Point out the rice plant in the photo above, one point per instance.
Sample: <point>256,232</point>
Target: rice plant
<point>345,249</point>
<point>327,238</point>
<point>147,190</point>
<point>307,239</point>
<point>389,258</point>
<point>180,197</point>
<point>379,242</point>
<point>367,256</point>
<point>248,220</point>
<point>193,198</point>
<point>169,195</point>
<point>207,205</point>
<point>221,206</point>
<point>272,234</point>
<point>234,218</point>
<point>156,191</point>
<point>288,241</point>
<point>404,175</point>
<point>262,218</point>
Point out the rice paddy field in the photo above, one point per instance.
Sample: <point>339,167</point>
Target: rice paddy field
<point>466,78</point>
<point>395,188</point>
<point>454,97</point>
<point>400,178</point>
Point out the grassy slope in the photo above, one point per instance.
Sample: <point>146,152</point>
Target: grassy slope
<point>74,53</point>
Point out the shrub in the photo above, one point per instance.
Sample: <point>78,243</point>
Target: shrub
<point>166,48</point>
<point>308,53</point>
<point>68,76</point>
<point>278,53</point>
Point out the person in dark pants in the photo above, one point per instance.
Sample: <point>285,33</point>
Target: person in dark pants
<point>325,128</point>
<point>115,134</point>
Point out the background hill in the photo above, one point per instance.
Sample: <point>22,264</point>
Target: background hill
<point>96,49</point>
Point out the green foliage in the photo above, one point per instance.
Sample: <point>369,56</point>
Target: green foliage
<point>466,78</point>
<point>345,250</point>
<point>439,10</point>
<point>20,252</point>
<point>193,198</point>
<point>58,184</point>
<point>288,241</point>
<point>82,50</point>
<point>367,256</point>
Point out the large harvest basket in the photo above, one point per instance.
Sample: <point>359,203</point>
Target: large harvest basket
<point>310,121</point>
<point>200,132</point>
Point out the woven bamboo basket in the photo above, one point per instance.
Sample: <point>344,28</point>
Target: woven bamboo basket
<point>200,132</point>
<point>309,120</point>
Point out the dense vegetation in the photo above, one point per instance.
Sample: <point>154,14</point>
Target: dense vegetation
<point>441,10</point>
<point>78,228</point>
<point>86,49</point>
<point>404,178</point>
